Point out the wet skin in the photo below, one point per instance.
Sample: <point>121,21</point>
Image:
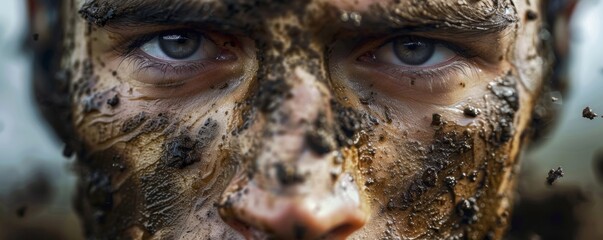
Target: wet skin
<point>259,119</point>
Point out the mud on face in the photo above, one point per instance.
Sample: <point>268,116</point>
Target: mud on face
<point>290,131</point>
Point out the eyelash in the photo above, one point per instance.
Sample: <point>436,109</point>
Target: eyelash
<point>130,52</point>
<point>142,63</point>
<point>426,78</point>
<point>431,77</point>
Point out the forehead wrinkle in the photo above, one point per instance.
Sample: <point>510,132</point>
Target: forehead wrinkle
<point>132,12</point>
<point>484,16</point>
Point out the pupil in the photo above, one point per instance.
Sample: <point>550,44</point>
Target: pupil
<point>413,51</point>
<point>181,45</point>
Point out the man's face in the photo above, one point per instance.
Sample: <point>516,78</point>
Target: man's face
<point>300,119</point>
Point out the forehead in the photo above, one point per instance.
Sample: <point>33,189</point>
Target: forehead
<point>486,14</point>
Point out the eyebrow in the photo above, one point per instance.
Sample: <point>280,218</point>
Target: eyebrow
<point>451,20</point>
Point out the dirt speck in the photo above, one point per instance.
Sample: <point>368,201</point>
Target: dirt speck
<point>450,181</point>
<point>436,119</point>
<point>156,124</point>
<point>471,111</point>
<point>473,176</point>
<point>35,36</point>
<point>554,174</point>
<point>588,113</point>
<point>180,152</point>
<point>184,150</point>
<point>114,101</point>
<point>430,177</point>
<point>468,210</point>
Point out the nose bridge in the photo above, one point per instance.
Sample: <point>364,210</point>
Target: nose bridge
<point>298,123</point>
<point>307,100</point>
<point>294,188</point>
<point>297,139</point>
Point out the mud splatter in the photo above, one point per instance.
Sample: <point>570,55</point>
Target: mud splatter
<point>134,122</point>
<point>450,181</point>
<point>554,174</point>
<point>114,101</point>
<point>350,122</point>
<point>180,152</point>
<point>471,111</point>
<point>184,150</point>
<point>320,139</point>
<point>468,210</point>
<point>436,119</point>
<point>157,123</point>
<point>430,177</point>
<point>588,113</point>
<point>505,90</point>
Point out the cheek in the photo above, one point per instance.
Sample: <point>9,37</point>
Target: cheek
<point>148,164</point>
<point>446,167</point>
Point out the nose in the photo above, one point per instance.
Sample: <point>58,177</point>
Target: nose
<point>298,187</point>
<point>260,213</point>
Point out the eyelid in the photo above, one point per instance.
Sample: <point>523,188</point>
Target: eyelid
<point>370,44</point>
<point>152,71</point>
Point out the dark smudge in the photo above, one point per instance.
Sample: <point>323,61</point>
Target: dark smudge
<point>554,174</point>
<point>114,101</point>
<point>287,174</point>
<point>184,150</point>
<point>588,113</point>
<point>319,138</point>
<point>134,122</point>
<point>505,90</point>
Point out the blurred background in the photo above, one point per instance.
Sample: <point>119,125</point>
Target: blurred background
<point>36,184</point>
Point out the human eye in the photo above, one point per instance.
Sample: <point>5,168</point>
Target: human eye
<point>180,46</point>
<point>414,52</point>
<point>174,58</point>
<point>416,65</point>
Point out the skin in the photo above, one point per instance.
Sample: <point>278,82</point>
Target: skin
<point>299,126</point>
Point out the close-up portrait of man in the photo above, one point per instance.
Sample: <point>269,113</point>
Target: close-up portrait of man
<point>300,119</point>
